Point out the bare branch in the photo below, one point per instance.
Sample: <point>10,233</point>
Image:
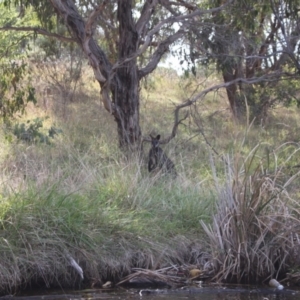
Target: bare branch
<point>179,4</point>
<point>41,31</point>
<point>174,129</point>
<point>93,18</point>
<point>177,19</point>
<point>145,16</point>
<point>162,48</point>
<point>290,43</point>
<point>168,5</point>
<point>185,4</point>
<point>269,77</point>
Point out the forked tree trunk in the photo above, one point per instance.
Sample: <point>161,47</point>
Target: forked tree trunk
<point>119,85</point>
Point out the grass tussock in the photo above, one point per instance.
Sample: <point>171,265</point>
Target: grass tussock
<point>254,235</point>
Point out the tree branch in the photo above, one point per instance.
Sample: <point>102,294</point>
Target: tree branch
<point>168,6</point>
<point>89,24</point>
<point>269,77</point>
<point>290,44</point>
<point>178,19</point>
<point>183,3</point>
<point>145,16</point>
<point>93,18</point>
<point>38,30</point>
<point>96,56</point>
<point>162,48</point>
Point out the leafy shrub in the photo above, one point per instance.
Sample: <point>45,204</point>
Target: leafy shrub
<point>14,95</point>
<point>31,132</point>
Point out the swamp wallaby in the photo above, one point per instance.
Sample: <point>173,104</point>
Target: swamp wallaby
<point>158,160</point>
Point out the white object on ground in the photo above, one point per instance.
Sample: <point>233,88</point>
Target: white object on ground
<point>76,266</point>
<point>274,283</point>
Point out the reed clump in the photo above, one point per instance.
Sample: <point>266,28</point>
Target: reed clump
<point>255,231</point>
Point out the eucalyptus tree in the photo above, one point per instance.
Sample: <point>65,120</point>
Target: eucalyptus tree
<point>134,36</point>
<point>15,87</point>
<point>255,45</point>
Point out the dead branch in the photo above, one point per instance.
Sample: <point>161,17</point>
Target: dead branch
<point>93,18</point>
<point>174,129</point>
<point>153,277</point>
<point>268,77</point>
<point>41,31</point>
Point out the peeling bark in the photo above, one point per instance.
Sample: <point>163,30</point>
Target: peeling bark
<point>127,93</point>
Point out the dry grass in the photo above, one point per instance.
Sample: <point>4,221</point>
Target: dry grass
<point>256,227</point>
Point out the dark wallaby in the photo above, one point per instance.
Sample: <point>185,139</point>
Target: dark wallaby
<point>158,160</point>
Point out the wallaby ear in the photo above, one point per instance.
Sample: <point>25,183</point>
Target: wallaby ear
<point>158,137</point>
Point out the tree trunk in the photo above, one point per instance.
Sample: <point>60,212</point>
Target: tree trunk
<point>236,106</point>
<point>126,97</point>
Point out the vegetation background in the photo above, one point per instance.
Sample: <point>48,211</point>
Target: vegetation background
<point>68,189</point>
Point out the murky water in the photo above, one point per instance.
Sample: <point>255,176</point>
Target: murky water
<point>205,293</point>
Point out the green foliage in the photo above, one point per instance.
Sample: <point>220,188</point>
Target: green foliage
<point>14,95</point>
<point>16,90</point>
<point>15,44</point>
<point>31,132</point>
<point>44,10</point>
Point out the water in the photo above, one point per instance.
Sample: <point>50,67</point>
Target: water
<point>205,293</point>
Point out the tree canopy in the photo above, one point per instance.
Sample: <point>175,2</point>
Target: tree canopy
<point>255,45</point>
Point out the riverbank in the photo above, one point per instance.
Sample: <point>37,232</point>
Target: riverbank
<point>110,217</point>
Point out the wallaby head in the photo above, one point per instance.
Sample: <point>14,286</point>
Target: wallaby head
<point>158,160</point>
<point>155,141</point>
